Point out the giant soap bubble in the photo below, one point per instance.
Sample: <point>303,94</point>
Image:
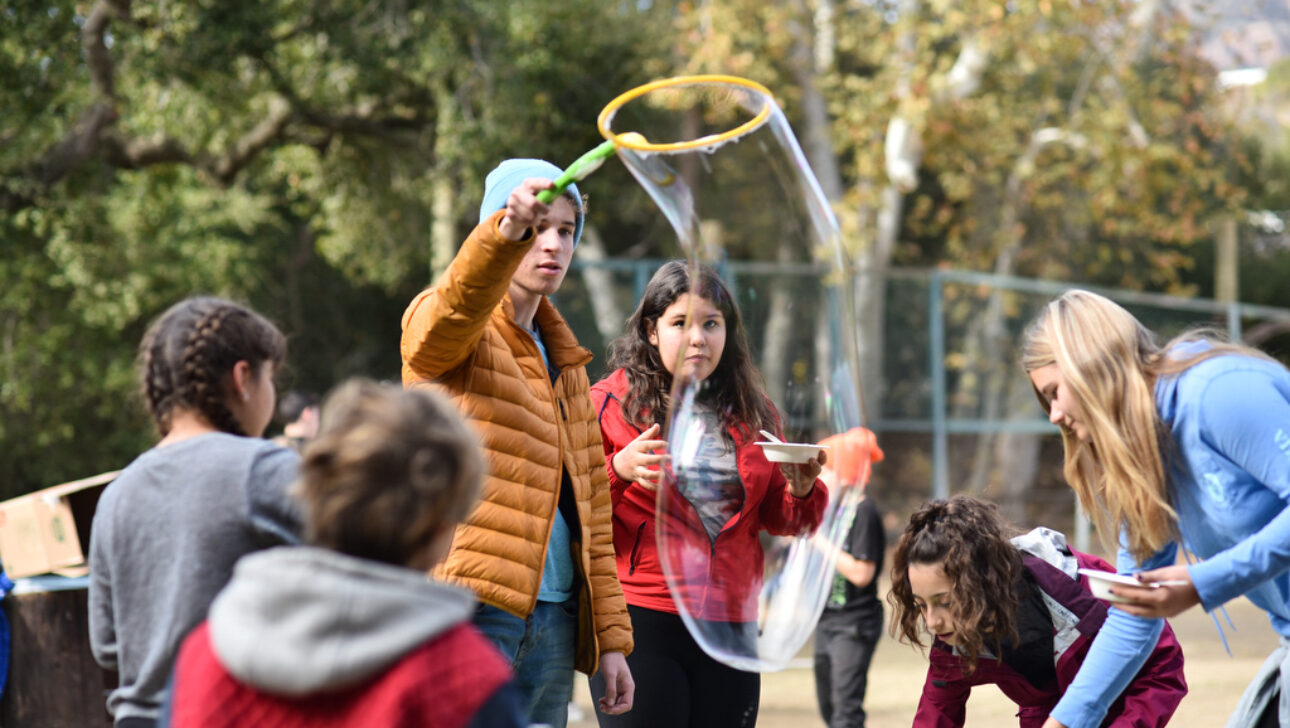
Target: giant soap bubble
<point>718,157</point>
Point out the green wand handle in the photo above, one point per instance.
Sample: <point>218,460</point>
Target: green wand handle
<point>585,165</point>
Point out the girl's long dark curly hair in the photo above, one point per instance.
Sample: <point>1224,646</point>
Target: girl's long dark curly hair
<point>734,388</point>
<point>969,540</point>
<point>187,353</point>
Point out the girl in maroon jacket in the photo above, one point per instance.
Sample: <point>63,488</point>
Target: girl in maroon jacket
<point>690,327</point>
<point>1012,612</point>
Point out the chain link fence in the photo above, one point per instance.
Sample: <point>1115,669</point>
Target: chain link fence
<point>951,406</point>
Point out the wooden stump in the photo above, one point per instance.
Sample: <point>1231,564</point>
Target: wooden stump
<point>53,679</point>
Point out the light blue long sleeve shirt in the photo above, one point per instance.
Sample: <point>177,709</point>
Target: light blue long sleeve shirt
<point>558,570</point>
<point>1229,418</point>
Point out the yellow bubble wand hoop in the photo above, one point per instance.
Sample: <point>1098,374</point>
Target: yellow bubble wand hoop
<point>638,143</point>
<point>591,161</point>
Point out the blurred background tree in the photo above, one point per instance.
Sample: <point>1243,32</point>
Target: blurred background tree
<point>322,160</point>
<point>303,157</point>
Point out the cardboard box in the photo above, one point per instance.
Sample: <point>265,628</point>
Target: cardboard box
<point>49,530</point>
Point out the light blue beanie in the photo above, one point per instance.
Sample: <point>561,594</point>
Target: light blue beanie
<point>509,174</point>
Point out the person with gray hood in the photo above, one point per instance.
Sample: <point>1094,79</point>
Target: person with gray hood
<point>348,630</point>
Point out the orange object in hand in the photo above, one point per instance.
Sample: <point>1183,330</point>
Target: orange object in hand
<point>852,455</point>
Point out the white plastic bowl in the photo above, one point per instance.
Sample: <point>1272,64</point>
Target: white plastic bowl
<point>1099,582</point>
<point>790,452</point>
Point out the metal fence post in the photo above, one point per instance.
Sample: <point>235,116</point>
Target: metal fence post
<point>936,348</point>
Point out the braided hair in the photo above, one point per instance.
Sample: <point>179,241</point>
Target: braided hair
<point>968,539</point>
<point>188,352</point>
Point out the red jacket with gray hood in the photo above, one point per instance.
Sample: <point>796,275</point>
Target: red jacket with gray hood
<point>303,636</point>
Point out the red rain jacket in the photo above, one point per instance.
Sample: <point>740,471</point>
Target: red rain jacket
<point>732,565</point>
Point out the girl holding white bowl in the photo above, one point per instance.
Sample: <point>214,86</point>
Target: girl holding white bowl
<point>1183,445</point>
<point>688,326</point>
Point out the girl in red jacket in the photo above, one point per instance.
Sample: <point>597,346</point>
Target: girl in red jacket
<point>689,327</point>
<point>1012,612</point>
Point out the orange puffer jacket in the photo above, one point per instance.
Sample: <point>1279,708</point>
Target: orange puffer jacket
<point>461,338</point>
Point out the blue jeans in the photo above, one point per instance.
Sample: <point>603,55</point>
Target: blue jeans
<point>540,649</point>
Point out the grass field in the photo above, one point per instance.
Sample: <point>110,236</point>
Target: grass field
<point>1215,680</point>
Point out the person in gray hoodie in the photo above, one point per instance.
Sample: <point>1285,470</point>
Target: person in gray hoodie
<point>348,630</point>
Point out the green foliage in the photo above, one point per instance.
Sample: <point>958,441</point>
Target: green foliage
<point>285,152</point>
<point>1095,146</point>
<point>277,153</point>
<point>1109,136</point>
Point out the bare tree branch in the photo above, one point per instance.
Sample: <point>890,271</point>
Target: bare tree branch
<point>93,40</point>
<point>387,128</point>
<point>139,153</point>
<point>75,148</point>
<point>81,142</point>
<point>225,168</point>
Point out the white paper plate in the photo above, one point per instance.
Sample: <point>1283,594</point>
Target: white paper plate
<point>1099,582</point>
<point>790,452</point>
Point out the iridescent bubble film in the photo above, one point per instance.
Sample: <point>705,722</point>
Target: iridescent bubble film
<point>717,155</point>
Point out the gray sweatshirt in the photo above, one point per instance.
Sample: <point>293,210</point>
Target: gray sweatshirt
<point>301,620</point>
<point>166,535</point>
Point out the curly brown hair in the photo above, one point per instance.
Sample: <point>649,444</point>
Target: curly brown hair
<point>390,471</point>
<point>734,387</point>
<point>968,539</point>
<point>188,351</point>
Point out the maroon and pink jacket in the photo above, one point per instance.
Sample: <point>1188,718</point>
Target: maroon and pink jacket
<point>1148,701</point>
<point>734,560</point>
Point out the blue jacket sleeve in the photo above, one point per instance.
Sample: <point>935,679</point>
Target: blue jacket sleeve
<point>1245,417</point>
<point>1121,647</point>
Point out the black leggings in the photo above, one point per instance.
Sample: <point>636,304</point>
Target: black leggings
<point>677,684</point>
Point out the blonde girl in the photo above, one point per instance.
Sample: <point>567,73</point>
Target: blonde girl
<point>1182,445</point>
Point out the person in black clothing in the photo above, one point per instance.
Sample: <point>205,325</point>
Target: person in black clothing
<point>851,624</point>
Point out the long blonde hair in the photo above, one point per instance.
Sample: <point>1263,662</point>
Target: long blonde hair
<point>1110,363</point>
